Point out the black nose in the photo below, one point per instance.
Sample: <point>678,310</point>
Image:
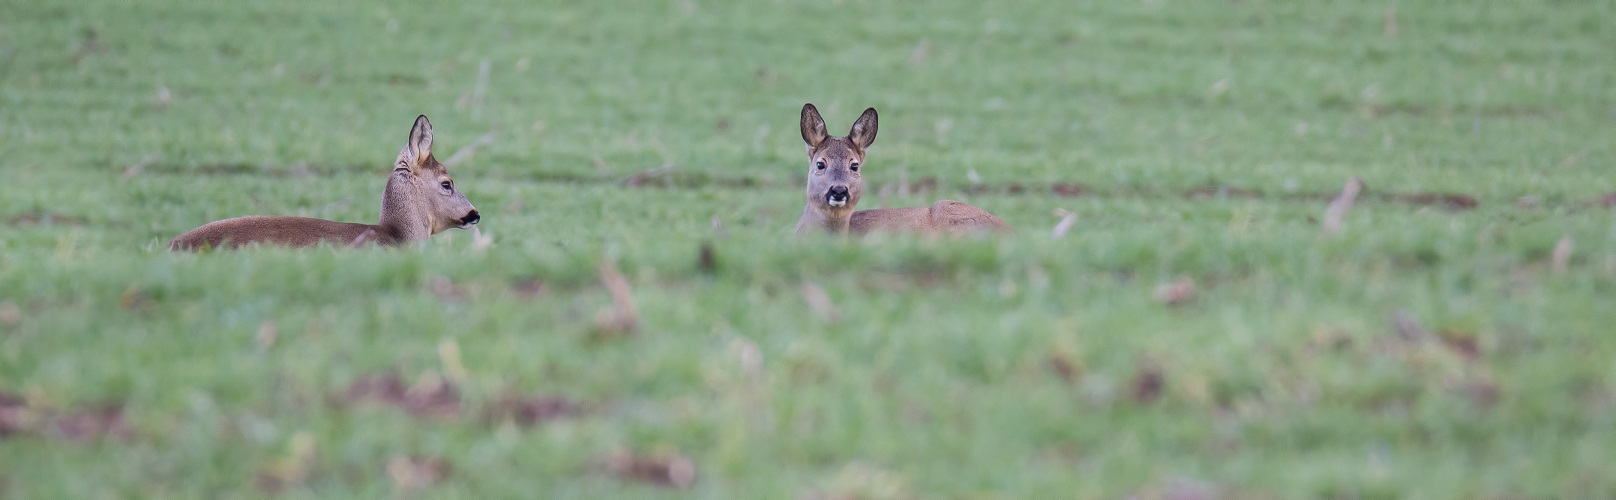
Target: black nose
<point>470,218</point>
<point>836,193</point>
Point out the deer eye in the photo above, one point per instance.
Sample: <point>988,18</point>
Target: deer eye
<point>447,185</point>
<point>820,165</point>
<point>854,166</point>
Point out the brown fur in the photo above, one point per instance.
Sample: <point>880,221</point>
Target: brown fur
<point>277,230</point>
<point>946,216</point>
<point>415,205</point>
<point>835,166</point>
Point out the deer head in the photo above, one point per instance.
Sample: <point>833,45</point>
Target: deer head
<point>421,199</point>
<point>834,163</point>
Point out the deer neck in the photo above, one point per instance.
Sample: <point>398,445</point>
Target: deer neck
<point>814,220</point>
<point>402,219</point>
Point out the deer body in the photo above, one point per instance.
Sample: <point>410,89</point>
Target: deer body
<point>946,216</point>
<point>420,200</point>
<point>835,184</point>
<point>272,229</point>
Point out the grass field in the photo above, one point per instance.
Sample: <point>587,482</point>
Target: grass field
<point>1433,349</point>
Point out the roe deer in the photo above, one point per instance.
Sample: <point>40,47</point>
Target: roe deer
<point>420,201</point>
<point>835,182</point>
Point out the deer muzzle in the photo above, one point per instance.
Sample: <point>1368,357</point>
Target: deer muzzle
<point>836,196</point>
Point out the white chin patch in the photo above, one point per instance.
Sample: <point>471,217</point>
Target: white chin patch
<point>837,203</point>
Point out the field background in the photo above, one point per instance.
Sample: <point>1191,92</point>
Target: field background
<point>1430,350</point>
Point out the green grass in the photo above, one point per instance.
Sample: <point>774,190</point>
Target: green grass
<point>1014,367</point>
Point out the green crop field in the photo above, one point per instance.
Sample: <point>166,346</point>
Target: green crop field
<point>634,318</point>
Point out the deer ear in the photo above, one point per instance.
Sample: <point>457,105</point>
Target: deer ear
<point>863,133</point>
<point>406,161</point>
<point>813,127</point>
<point>420,145</point>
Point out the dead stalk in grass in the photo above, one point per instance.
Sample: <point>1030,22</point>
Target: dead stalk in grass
<point>163,98</point>
<point>10,313</point>
<point>1337,211</point>
<point>1067,219</point>
<point>670,470</point>
<point>416,472</point>
<point>1562,254</point>
<point>624,317</point>
<point>267,332</point>
<point>140,166</point>
<point>362,239</point>
<point>920,53</point>
<point>718,228</point>
<point>645,175</point>
<point>474,98</point>
<point>1179,292</point>
<point>1408,328</point>
<point>1390,29</point>
<point>470,150</point>
<point>820,302</point>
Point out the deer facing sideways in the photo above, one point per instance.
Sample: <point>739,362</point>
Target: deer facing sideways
<point>420,201</point>
<point>835,183</point>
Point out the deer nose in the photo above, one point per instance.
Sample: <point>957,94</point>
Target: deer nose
<point>470,218</point>
<point>836,196</point>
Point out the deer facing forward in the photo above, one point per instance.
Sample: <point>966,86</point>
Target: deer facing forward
<point>835,182</point>
<point>420,201</point>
